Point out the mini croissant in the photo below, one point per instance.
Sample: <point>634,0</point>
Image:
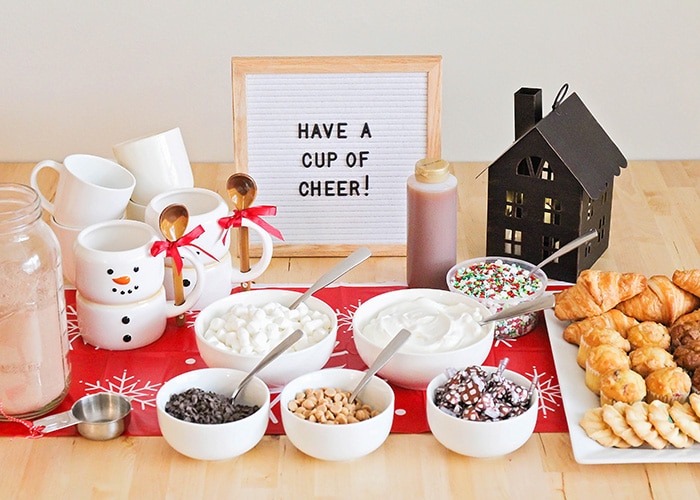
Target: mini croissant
<point>662,302</point>
<point>596,292</point>
<point>688,280</point>
<point>613,319</point>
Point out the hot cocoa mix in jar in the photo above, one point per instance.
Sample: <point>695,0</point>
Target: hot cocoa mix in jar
<point>34,368</point>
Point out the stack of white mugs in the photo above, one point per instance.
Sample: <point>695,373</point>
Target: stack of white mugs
<point>105,215</point>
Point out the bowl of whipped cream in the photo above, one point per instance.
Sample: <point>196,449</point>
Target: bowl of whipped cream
<point>445,332</point>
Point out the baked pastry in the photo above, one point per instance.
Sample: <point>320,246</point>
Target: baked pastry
<point>611,319</point>
<point>686,419</point>
<point>668,385</point>
<point>663,423</point>
<point>645,360</point>
<point>688,355</point>
<point>596,292</point>
<point>695,384</point>
<point>623,384</point>
<point>602,359</point>
<point>661,302</point>
<point>687,280</point>
<point>614,416</point>
<point>637,415</point>
<point>694,402</point>
<point>596,337</point>
<point>649,333</point>
<point>592,422</point>
<point>685,329</point>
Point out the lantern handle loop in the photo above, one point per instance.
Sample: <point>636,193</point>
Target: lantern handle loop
<point>560,95</point>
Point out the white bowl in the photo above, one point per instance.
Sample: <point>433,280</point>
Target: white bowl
<point>290,364</point>
<point>481,439</point>
<point>342,441</point>
<point>512,327</point>
<point>414,370</point>
<point>214,441</point>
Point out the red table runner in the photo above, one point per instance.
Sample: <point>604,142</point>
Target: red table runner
<point>139,373</point>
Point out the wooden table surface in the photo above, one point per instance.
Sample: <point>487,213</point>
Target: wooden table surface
<point>653,231</point>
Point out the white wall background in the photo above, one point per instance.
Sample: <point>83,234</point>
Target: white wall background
<point>78,76</point>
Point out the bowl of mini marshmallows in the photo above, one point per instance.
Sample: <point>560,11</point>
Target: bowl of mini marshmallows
<point>198,418</point>
<point>499,283</point>
<point>320,421</point>
<point>239,330</point>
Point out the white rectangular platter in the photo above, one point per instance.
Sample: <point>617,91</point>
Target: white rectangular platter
<point>577,398</point>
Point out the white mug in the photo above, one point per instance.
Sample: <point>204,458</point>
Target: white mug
<point>131,325</point>
<point>66,236</point>
<point>204,208</point>
<point>114,264</point>
<point>159,163</point>
<point>220,278</point>
<point>90,189</point>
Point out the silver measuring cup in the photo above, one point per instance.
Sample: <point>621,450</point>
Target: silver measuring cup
<point>99,416</point>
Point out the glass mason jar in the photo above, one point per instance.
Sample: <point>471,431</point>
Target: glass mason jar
<point>34,367</point>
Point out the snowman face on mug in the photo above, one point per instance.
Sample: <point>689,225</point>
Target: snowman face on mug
<point>114,264</point>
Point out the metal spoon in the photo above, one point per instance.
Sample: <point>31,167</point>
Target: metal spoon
<point>269,357</point>
<point>345,265</point>
<point>544,302</point>
<point>572,245</point>
<point>382,359</point>
<point>242,190</point>
<point>173,224</point>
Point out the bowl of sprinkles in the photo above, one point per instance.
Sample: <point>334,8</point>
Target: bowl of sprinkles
<point>499,283</point>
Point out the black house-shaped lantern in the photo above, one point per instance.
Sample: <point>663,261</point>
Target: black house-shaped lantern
<point>553,184</point>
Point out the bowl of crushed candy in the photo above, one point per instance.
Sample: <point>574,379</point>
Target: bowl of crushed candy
<point>239,330</point>
<point>198,419</point>
<point>499,283</point>
<point>478,413</point>
<point>320,422</point>
<point>444,332</point>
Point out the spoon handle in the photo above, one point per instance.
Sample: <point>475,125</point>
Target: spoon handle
<point>545,302</point>
<point>381,360</point>
<point>179,294</point>
<point>348,263</point>
<point>269,358</point>
<point>567,248</point>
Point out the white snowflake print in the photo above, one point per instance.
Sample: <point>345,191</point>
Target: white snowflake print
<point>73,328</point>
<point>345,317</point>
<point>550,392</point>
<point>142,393</point>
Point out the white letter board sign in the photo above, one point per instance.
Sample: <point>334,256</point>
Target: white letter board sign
<point>330,141</point>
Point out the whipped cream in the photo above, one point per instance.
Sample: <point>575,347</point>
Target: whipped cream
<point>435,327</point>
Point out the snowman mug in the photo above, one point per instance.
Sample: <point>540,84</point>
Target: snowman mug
<point>114,264</point>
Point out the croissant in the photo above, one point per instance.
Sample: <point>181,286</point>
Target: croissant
<point>596,292</point>
<point>688,280</point>
<point>661,301</point>
<point>613,319</point>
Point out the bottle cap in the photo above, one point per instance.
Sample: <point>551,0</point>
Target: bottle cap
<point>432,170</point>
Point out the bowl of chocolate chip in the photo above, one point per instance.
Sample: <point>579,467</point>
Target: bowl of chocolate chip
<point>320,420</point>
<point>482,411</point>
<point>198,418</point>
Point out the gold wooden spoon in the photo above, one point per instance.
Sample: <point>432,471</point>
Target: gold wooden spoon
<point>173,224</point>
<point>242,190</point>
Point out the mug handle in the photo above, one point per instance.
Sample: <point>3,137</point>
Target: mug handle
<point>171,310</point>
<point>53,165</point>
<point>259,267</point>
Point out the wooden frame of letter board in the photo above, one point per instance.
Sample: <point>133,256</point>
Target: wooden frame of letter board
<point>242,66</point>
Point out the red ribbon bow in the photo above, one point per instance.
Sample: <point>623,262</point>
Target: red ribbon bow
<point>253,214</point>
<point>171,247</point>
